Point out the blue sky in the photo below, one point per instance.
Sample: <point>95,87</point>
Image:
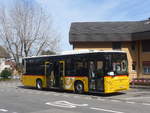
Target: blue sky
<point>66,11</point>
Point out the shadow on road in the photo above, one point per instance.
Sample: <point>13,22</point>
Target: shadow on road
<point>25,87</point>
<point>71,92</point>
<point>107,95</point>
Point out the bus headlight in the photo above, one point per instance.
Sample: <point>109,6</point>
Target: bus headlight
<point>111,73</point>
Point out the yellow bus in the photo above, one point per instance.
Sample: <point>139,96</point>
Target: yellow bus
<point>79,71</point>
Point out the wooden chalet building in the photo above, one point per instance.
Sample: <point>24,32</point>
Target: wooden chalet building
<point>132,37</point>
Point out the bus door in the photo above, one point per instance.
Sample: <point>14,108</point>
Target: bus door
<point>96,76</point>
<point>59,72</point>
<point>49,74</point>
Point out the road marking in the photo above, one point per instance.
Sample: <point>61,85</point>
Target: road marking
<point>139,92</point>
<point>101,99</point>
<point>72,103</point>
<point>115,100</point>
<point>107,110</point>
<point>65,104</point>
<point>146,104</point>
<point>56,94</point>
<point>66,95</point>
<point>76,96</point>
<point>130,102</point>
<point>4,110</point>
<point>87,97</point>
<point>59,105</point>
<point>136,98</point>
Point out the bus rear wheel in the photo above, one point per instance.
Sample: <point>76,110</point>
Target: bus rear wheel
<point>39,84</point>
<point>79,87</point>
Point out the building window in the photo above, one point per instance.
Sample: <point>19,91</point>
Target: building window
<point>134,66</point>
<point>145,45</point>
<point>133,45</point>
<point>116,45</point>
<point>146,67</point>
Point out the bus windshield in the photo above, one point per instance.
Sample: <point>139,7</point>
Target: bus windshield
<point>119,64</point>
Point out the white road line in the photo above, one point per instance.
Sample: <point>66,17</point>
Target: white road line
<point>107,110</point>
<point>101,99</point>
<point>60,105</point>
<point>130,102</point>
<point>3,110</point>
<point>147,92</point>
<point>65,104</point>
<point>56,94</point>
<point>87,97</point>
<point>146,104</point>
<point>136,98</point>
<point>66,95</point>
<point>115,100</point>
<point>69,103</point>
<point>76,96</point>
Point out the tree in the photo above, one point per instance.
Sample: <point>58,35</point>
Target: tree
<point>26,30</point>
<point>6,73</point>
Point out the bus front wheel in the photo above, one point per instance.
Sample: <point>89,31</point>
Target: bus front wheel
<point>79,87</point>
<point>39,84</point>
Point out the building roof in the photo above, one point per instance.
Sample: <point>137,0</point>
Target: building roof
<point>108,31</point>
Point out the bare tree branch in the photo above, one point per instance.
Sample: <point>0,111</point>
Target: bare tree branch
<point>26,30</point>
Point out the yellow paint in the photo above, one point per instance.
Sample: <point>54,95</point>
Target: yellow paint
<point>30,80</point>
<point>111,84</point>
<point>70,81</point>
<point>115,84</point>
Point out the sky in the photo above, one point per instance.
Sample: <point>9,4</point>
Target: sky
<point>64,12</point>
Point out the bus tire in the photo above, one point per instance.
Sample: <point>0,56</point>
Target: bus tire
<point>39,84</point>
<point>79,87</point>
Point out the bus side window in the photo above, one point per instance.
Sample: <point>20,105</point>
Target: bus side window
<point>79,66</point>
<point>99,70</point>
<point>99,65</point>
<point>82,68</point>
<point>70,67</point>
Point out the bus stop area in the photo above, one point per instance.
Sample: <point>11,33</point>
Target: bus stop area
<point>15,98</point>
<point>139,92</point>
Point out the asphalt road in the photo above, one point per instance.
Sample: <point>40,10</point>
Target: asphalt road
<point>14,98</point>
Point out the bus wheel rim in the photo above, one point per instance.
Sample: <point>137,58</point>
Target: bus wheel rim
<point>79,87</point>
<point>38,85</point>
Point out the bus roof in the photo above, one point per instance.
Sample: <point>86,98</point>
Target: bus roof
<point>74,52</point>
